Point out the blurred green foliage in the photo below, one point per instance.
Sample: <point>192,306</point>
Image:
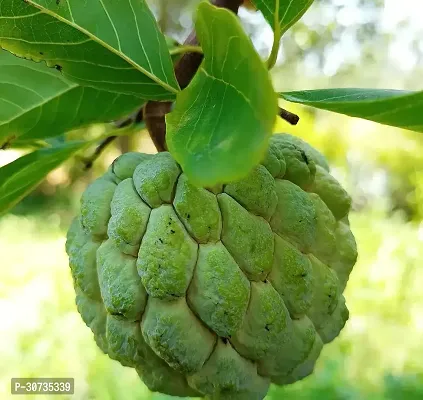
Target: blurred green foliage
<point>378,355</point>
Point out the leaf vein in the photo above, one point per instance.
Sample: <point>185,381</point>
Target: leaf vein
<point>46,43</point>
<point>139,36</point>
<point>38,105</point>
<point>150,75</point>
<point>112,24</point>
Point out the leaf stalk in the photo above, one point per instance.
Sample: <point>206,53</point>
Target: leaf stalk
<point>277,35</point>
<point>186,49</point>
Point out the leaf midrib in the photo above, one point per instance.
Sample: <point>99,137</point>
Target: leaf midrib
<point>351,102</point>
<point>153,77</point>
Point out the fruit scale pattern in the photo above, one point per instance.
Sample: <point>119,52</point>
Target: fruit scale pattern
<point>214,292</point>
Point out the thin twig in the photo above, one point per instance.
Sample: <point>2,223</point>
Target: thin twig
<point>288,116</point>
<point>135,117</point>
<point>88,162</point>
<point>276,40</point>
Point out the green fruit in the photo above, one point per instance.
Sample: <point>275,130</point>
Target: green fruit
<point>217,292</point>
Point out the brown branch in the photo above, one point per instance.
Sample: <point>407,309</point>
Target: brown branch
<point>154,114</point>
<point>189,63</point>
<point>185,69</point>
<point>88,162</point>
<point>232,5</point>
<point>135,117</point>
<point>288,116</point>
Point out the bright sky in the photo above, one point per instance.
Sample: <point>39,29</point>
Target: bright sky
<point>396,12</point>
<point>402,18</point>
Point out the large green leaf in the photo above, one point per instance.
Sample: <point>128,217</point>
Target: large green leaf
<point>37,102</point>
<point>112,45</point>
<point>20,177</point>
<point>221,122</point>
<point>402,109</point>
<point>92,134</point>
<point>282,14</point>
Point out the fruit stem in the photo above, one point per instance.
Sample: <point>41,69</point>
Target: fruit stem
<point>276,39</point>
<point>185,70</point>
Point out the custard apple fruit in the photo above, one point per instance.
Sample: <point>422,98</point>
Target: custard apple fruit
<point>214,292</point>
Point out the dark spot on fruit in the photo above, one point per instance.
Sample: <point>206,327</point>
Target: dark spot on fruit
<point>267,328</point>
<point>57,2</point>
<point>117,314</point>
<point>113,165</point>
<point>188,216</point>
<point>172,231</point>
<point>58,67</point>
<point>160,240</point>
<point>303,275</point>
<point>41,53</point>
<point>224,340</point>
<point>304,156</point>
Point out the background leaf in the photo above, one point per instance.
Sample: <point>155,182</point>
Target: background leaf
<point>107,44</point>
<point>37,102</point>
<point>402,109</point>
<point>286,12</point>
<point>221,122</point>
<point>20,177</point>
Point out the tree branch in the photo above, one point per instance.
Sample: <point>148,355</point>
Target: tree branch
<point>185,69</point>
<point>288,116</point>
<point>88,162</point>
<point>232,5</point>
<point>154,118</point>
<point>135,117</point>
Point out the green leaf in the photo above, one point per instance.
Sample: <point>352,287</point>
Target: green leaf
<point>402,109</point>
<point>37,102</point>
<point>101,132</point>
<point>106,44</point>
<point>20,177</point>
<point>282,14</point>
<point>221,122</point>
